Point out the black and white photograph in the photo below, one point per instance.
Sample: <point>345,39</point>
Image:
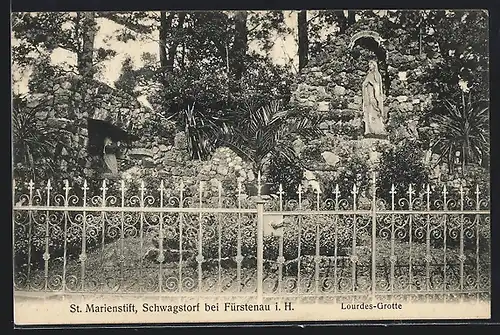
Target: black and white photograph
<point>250,166</point>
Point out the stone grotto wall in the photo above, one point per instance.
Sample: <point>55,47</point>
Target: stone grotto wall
<point>73,99</point>
<point>155,158</point>
<point>331,86</point>
<point>160,153</point>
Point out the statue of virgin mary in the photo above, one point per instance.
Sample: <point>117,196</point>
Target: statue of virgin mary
<point>373,107</point>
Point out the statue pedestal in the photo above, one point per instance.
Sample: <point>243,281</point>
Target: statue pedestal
<point>375,147</point>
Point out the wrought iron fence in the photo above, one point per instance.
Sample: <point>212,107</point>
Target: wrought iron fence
<point>189,240</point>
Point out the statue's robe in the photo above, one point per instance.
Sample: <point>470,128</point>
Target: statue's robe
<point>373,109</point>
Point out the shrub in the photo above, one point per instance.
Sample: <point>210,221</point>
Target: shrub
<point>355,171</point>
<point>287,173</point>
<point>401,165</point>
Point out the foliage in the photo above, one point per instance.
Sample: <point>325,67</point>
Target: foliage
<point>32,142</point>
<point>461,127</point>
<point>401,166</point>
<point>478,176</point>
<point>220,231</point>
<point>462,37</point>
<point>262,83</point>
<point>355,171</point>
<point>127,79</point>
<point>196,84</point>
<point>36,144</point>
<point>266,133</point>
<point>38,34</point>
<point>204,132</point>
<point>264,26</point>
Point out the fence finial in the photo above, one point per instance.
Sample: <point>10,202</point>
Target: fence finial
<point>411,191</point>
<point>393,189</point>
<point>66,186</point>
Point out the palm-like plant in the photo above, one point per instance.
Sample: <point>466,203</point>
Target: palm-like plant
<point>462,129</point>
<point>263,132</point>
<point>204,131</point>
<point>32,140</point>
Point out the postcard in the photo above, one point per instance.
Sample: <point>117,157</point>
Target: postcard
<point>250,166</point>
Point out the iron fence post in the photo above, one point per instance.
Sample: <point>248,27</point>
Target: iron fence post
<point>260,248</point>
<point>374,234</point>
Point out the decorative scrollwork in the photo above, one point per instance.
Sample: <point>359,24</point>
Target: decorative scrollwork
<point>290,285</point>
<point>114,250</point>
<point>327,285</point>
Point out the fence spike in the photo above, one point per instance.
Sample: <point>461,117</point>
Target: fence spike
<point>122,185</point>
<point>86,187</point>
<point>143,186</point>
<point>162,188</point>
<point>411,191</point>
<point>181,186</point>
<point>66,185</point>
<point>477,190</point>
<point>31,185</point>
<point>393,189</point>
<point>354,189</point>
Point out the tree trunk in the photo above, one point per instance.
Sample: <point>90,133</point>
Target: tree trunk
<point>165,23</point>
<point>303,39</point>
<point>168,52</point>
<point>351,18</point>
<point>172,50</point>
<point>341,21</point>
<point>86,54</point>
<point>240,46</point>
<point>162,37</point>
<point>344,21</point>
